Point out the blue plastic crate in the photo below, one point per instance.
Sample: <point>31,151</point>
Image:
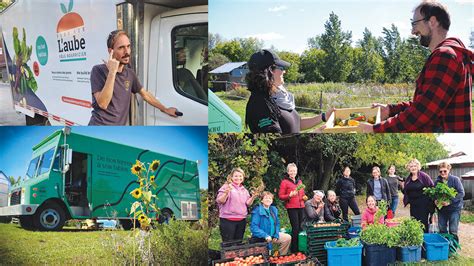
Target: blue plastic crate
<point>436,246</point>
<point>354,232</point>
<point>409,254</point>
<point>343,256</point>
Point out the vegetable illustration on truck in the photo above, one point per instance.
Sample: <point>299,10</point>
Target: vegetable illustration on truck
<point>73,176</point>
<point>52,49</point>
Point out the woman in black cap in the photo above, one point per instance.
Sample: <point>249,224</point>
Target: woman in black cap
<point>271,108</point>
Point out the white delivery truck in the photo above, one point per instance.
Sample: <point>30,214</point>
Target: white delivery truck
<point>50,47</point>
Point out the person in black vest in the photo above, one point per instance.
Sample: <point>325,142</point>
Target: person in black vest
<point>345,189</point>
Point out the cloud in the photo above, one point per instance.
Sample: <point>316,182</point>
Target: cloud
<point>277,8</point>
<point>269,36</point>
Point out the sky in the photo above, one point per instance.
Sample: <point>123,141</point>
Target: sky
<point>184,142</point>
<point>458,142</point>
<point>287,25</point>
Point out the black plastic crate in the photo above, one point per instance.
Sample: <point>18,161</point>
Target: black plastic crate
<point>309,261</point>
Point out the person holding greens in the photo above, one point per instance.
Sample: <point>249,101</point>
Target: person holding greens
<point>292,193</point>
<point>450,214</point>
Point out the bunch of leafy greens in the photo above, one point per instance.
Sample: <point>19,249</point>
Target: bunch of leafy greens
<point>382,211</point>
<point>23,75</point>
<point>410,233</point>
<point>380,234</point>
<point>342,242</point>
<point>442,193</point>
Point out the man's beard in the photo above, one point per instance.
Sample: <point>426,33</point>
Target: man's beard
<point>426,40</point>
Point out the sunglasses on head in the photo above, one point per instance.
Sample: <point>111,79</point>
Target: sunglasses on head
<point>279,67</point>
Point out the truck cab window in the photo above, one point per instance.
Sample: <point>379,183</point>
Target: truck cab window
<point>190,61</point>
<point>32,168</point>
<point>57,164</point>
<point>46,160</point>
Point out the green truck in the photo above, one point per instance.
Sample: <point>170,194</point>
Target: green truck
<point>72,176</point>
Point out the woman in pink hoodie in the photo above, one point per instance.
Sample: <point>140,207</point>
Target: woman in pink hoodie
<point>233,200</point>
<point>369,214</point>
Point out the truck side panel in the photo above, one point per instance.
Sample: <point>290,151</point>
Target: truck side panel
<point>50,52</point>
<point>112,180</point>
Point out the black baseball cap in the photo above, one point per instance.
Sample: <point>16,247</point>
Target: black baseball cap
<point>265,58</point>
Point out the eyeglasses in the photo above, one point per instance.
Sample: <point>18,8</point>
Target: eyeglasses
<point>413,23</point>
<point>443,171</point>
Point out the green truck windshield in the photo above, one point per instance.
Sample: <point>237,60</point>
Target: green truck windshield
<point>41,164</point>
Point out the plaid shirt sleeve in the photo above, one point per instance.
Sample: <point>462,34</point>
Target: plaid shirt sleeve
<point>441,78</point>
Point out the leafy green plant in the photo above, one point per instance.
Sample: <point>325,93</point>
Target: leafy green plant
<point>442,193</point>
<point>382,211</point>
<point>342,242</point>
<point>379,234</point>
<point>410,233</point>
<point>23,76</point>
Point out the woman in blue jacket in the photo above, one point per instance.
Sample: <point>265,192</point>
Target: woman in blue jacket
<point>265,225</point>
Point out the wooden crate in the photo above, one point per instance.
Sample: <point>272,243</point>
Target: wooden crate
<point>344,113</point>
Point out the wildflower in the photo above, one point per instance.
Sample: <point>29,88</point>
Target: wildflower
<point>137,168</point>
<point>136,193</point>
<point>152,178</point>
<point>154,165</point>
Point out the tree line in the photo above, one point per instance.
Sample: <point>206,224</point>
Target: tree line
<point>330,56</point>
<point>320,158</point>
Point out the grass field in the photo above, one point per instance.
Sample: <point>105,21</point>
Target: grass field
<point>71,246</point>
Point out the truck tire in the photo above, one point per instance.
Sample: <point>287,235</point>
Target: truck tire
<point>26,222</point>
<point>165,216</point>
<point>49,217</point>
<point>127,224</point>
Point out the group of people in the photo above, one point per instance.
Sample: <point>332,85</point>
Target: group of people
<point>234,201</point>
<point>441,103</point>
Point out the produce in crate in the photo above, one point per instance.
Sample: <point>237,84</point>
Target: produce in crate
<point>326,224</point>
<point>354,119</point>
<point>379,234</point>
<point>289,258</point>
<point>410,233</point>
<point>250,260</point>
<point>442,193</point>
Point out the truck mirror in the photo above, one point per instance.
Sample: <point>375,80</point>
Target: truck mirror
<point>67,160</point>
<point>69,156</point>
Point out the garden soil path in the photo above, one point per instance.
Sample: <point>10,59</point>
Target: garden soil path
<point>466,230</point>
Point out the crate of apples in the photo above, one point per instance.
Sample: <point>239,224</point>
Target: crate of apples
<point>238,261</point>
<point>298,257</point>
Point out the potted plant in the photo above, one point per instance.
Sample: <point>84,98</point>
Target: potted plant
<point>379,244</point>
<point>410,239</point>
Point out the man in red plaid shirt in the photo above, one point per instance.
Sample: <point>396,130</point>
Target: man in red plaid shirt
<point>442,100</point>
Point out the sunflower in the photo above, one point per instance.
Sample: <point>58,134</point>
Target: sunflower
<point>137,168</point>
<point>142,218</point>
<point>142,184</point>
<point>152,178</point>
<point>136,193</point>
<point>154,165</point>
